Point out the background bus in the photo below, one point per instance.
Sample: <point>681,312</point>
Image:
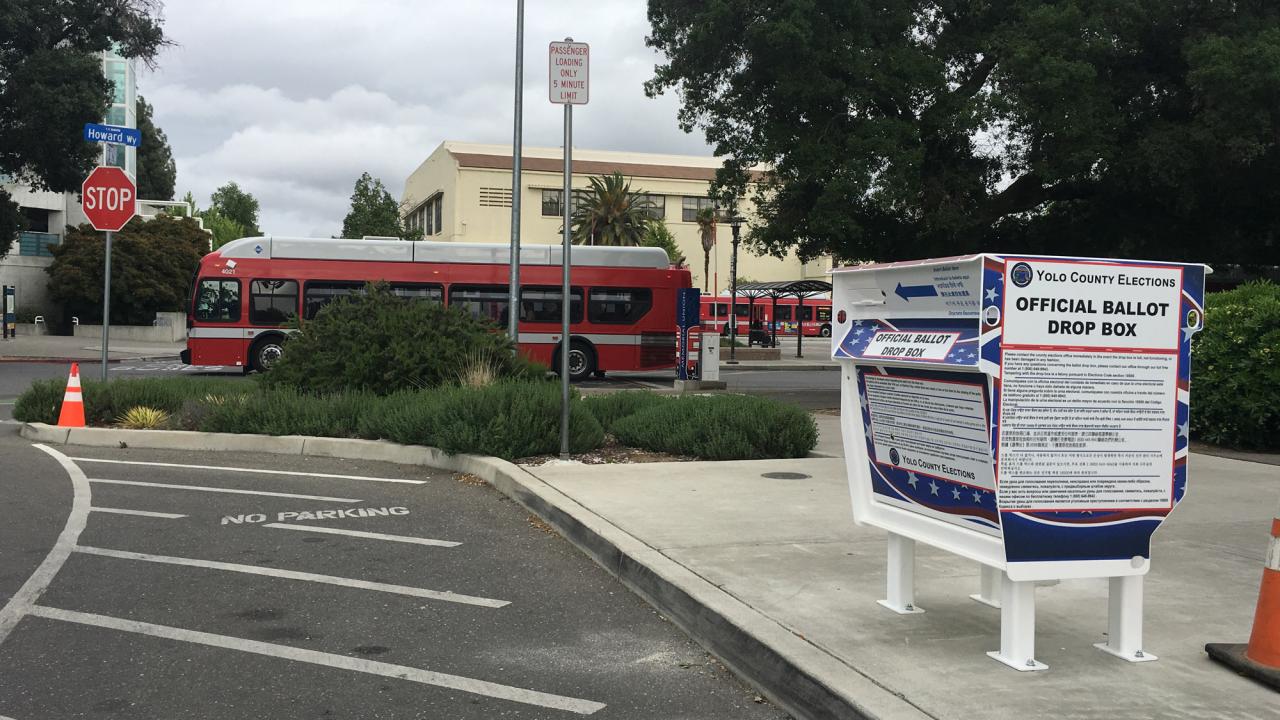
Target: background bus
<point>814,317</point>
<point>245,292</point>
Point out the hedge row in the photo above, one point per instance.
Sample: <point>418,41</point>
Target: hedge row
<point>1235,369</point>
<point>509,420</point>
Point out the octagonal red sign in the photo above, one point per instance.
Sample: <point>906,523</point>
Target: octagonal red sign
<point>109,198</point>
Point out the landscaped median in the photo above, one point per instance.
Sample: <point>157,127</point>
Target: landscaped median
<point>506,419</point>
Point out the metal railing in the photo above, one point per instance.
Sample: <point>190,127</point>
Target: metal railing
<point>37,243</point>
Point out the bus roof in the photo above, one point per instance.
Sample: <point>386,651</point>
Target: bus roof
<point>438,252</point>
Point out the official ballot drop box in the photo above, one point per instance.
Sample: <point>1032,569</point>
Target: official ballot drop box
<point>1027,413</point>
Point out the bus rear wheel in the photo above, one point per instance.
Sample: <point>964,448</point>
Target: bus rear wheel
<point>825,331</point>
<point>266,351</point>
<point>582,361</point>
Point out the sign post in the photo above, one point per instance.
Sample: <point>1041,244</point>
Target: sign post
<point>1026,413</point>
<point>110,201</point>
<point>567,70</point>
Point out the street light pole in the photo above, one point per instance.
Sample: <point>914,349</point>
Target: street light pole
<point>513,296</point>
<point>735,223</point>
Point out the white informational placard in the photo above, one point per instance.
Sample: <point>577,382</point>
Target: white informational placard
<point>929,346</point>
<point>1108,336</point>
<point>568,73</point>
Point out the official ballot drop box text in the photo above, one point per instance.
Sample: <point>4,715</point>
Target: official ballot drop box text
<point>1027,413</point>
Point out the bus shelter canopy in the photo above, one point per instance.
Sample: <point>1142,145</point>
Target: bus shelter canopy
<point>799,289</point>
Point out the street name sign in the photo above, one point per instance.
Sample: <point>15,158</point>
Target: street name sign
<point>109,198</point>
<point>568,68</point>
<point>1025,412</point>
<point>94,132</point>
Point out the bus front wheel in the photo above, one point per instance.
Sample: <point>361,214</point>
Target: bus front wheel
<point>266,351</point>
<point>582,361</point>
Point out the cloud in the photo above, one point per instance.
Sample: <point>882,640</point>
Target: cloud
<point>293,100</point>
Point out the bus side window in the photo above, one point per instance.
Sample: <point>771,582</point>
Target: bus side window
<point>806,314</point>
<point>419,291</point>
<point>784,313</point>
<point>271,302</point>
<point>320,293</point>
<point>618,305</point>
<point>483,301</point>
<point>543,305</point>
<point>218,300</point>
<point>824,313</point>
<point>722,310</point>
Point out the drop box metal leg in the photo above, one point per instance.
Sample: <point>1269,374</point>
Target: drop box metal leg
<point>989,593</point>
<point>1124,619</point>
<point>1018,626</point>
<point>901,576</point>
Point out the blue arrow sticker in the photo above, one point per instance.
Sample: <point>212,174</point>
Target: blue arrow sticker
<point>906,292</point>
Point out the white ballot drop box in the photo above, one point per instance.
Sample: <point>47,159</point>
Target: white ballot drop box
<point>1027,413</point>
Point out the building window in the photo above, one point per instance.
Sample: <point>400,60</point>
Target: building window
<point>115,155</point>
<point>618,305</point>
<point>543,305</point>
<point>117,73</point>
<point>116,116</point>
<point>495,197</point>
<point>271,302</point>
<point>218,301</point>
<point>657,206</point>
<point>551,206</point>
<point>691,206</point>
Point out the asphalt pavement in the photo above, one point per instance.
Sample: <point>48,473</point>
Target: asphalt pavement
<point>238,585</point>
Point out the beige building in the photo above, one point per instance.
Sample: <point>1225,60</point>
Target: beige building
<point>462,193</point>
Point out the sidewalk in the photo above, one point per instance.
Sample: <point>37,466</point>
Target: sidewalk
<point>63,348</point>
<point>789,551</point>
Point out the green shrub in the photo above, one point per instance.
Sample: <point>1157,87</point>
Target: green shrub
<point>609,408</point>
<point>289,412</point>
<point>104,402</point>
<point>1235,368</point>
<point>380,343</point>
<point>509,420</point>
<point>720,427</point>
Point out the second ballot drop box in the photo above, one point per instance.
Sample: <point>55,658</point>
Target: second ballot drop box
<point>1026,413</point>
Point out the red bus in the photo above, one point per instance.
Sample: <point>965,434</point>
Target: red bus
<point>246,291</point>
<point>814,318</point>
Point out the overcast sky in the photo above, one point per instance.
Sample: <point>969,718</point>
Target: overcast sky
<point>293,100</point>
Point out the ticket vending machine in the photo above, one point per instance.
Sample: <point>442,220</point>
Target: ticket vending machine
<point>1026,413</point>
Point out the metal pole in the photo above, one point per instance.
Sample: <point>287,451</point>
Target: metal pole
<point>513,313</point>
<point>106,308</point>
<point>565,302</point>
<point>799,324</point>
<point>733,300</point>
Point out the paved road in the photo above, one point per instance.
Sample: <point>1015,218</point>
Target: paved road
<point>261,586</point>
<point>811,389</point>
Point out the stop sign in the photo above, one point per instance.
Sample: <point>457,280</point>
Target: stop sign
<point>109,198</point>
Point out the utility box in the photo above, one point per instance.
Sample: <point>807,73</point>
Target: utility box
<point>1026,413</point>
<point>710,364</point>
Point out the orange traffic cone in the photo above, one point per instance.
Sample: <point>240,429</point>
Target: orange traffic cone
<point>1260,659</point>
<point>72,414</point>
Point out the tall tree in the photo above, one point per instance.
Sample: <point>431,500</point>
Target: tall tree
<point>51,84</point>
<point>658,235</point>
<point>609,212</point>
<point>374,212</point>
<point>157,173</point>
<point>706,220</point>
<point>234,204</point>
<point>908,128</point>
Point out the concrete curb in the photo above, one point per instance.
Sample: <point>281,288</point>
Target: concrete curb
<point>795,674</point>
<point>742,366</point>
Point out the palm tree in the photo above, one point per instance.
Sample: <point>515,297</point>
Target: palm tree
<point>610,213</point>
<point>707,231</point>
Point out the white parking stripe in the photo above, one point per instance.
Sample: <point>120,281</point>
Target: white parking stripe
<point>363,534</point>
<point>142,513</point>
<point>372,667</point>
<point>234,491</point>
<point>252,470</point>
<point>295,575</point>
<point>24,600</point>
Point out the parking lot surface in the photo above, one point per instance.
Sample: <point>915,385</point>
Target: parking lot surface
<point>184,585</point>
